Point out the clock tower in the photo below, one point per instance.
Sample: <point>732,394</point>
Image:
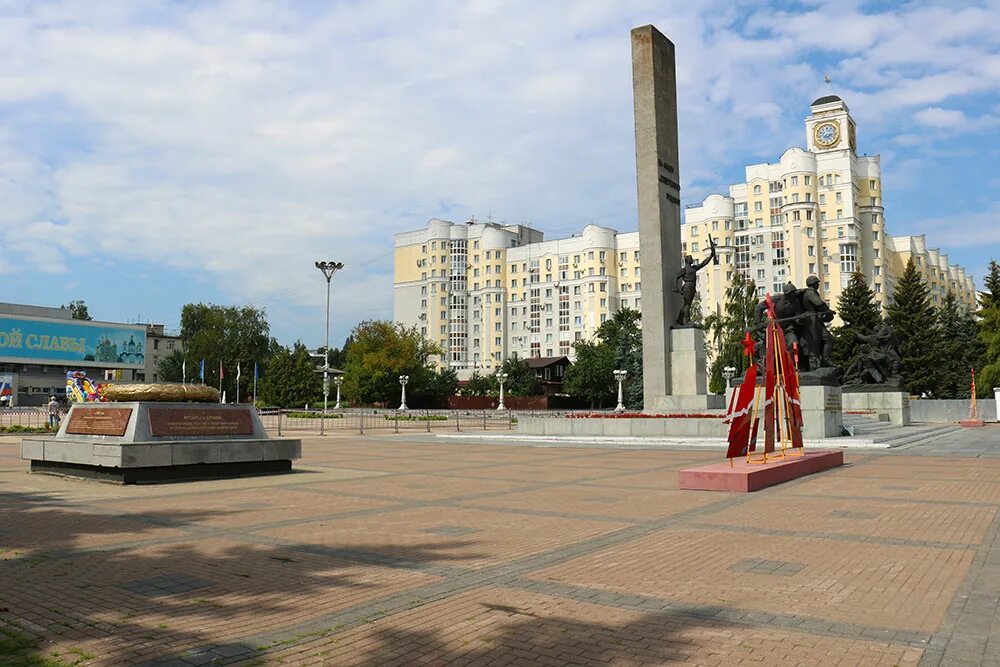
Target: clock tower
<point>830,126</point>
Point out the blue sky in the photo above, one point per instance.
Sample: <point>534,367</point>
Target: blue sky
<point>155,154</point>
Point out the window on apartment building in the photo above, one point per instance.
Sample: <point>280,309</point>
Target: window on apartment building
<point>878,288</point>
<point>590,255</point>
<point>715,225</point>
<point>622,256</point>
<point>578,320</point>
<point>694,230</point>
<point>576,289</point>
<point>848,257</point>
<point>434,245</point>
<point>795,180</point>
<point>822,199</point>
<point>604,303</point>
<point>812,267</point>
<point>811,251</point>
<point>604,287</point>
<point>637,270</point>
<point>871,185</point>
<point>809,232</point>
<point>590,288</point>
<point>760,274</point>
<point>840,213</point>
<point>807,180</point>
<point>809,197</point>
<point>498,341</point>
<point>875,252</point>
<point>809,215</point>
<point>840,232</point>
<point>423,249</point>
<point>875,235</point>
<point>444,328</point>
<point>729,225</point>
<point>576,304</point>
<point>822,216</point>
<point>877,270</point>
<point>756,189</point>
<point>758,207</point>
<point>637,287</point>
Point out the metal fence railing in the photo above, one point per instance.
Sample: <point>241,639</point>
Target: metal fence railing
<point>29,417</point>
<point>364,420</point>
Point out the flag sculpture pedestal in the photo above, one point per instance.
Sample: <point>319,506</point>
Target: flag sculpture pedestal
<point>743,477</point>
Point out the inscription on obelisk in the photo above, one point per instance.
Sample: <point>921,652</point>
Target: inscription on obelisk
<point>654,89</point>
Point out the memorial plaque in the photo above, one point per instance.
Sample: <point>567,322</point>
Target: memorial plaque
<point>199,421</point>
<point>99,421</point>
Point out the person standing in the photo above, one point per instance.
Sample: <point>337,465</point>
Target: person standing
<point>53,413</point>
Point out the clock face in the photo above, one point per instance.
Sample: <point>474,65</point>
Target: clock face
<point>827,134</point>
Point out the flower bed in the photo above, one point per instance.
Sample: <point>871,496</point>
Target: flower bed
<point>643,415</point>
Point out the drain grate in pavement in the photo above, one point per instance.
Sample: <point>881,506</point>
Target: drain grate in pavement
<point>861,516</point>
<point>451,531</point>
<point>779,568</point>
<point>164,584</point>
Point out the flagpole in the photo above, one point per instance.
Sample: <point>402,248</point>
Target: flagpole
<point>255,383</point>
<point>238,382</point>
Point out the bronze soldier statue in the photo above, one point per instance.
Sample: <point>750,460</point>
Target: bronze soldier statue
<point>687,282</point>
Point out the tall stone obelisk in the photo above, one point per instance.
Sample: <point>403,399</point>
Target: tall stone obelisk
<point>654,89</point>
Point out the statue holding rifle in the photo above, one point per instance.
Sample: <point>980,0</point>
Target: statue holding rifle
<point>687,282</point>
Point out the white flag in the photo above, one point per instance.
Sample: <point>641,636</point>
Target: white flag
<point>184,372</point>
<point>237,371</point>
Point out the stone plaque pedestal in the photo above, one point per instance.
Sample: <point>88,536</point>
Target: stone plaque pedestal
<point>138,442</point>
<point>688,378</point>
<point>895,404</point>
<point>822,411</point>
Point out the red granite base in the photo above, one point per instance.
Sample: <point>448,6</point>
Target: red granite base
<point>744,477</point>
<point>972,423</point>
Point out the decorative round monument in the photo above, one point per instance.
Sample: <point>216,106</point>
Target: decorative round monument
<point>150,433</point>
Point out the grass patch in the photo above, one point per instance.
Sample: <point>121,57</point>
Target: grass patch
<point>17,428</point>
<point>416,418</point>
<point>313,415</point>
<point>19,650</point>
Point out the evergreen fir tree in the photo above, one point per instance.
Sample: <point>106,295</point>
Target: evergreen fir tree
<point>989,333</point>
<point>860,313</point>
<point>915,321</point>
<point>991,297</point>
<point>959,350</point>
<point>726,331</point>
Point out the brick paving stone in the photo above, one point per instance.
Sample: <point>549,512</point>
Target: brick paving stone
<point>581,555</point>
<point>540,629</point>
<point>891,586</point>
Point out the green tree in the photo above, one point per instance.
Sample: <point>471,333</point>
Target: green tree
<point>381,351</point>
<point>230,334</point>
<point>959,351</point>
<point>726,331</point>
<point>521,379</point>
<point>479,385</point>
<point>991,296</point>
<point>915,322</point>
<point>860,314</point>
<point>170,367</point>
<point>590,377</point>
<point>989,333</point>
<point>617,345</point>
<point>78,310</point>
<point>290,380</point>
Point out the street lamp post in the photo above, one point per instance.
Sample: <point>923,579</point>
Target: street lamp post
<point>502,377</point>
<point>729,372</point>
<point>338,381</point>
<point>620,375</point>
<point>403,379</point>
<point>328,269</point>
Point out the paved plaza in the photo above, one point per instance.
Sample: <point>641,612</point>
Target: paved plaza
<point>414,549</point>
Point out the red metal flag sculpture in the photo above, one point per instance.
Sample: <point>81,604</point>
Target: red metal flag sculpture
<point>782,407</point>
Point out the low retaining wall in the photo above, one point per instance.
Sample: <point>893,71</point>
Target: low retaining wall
<point>942,410</point>
<point>638,427</point>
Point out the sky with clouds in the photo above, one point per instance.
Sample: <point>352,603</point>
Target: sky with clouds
<point>158,153</point>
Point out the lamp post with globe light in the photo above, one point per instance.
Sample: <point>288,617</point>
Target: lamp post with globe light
<point>338,381</point>
<point>501,378</point>
<point>403,379</point>
<point>729,372</point>
<point>620,376</point>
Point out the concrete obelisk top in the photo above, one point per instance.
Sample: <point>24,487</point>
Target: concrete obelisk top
<point>654,88</point>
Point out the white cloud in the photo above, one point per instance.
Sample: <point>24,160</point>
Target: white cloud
<point>244,139</point>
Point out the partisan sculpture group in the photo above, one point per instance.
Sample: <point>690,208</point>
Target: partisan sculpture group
<point>804,315</point>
